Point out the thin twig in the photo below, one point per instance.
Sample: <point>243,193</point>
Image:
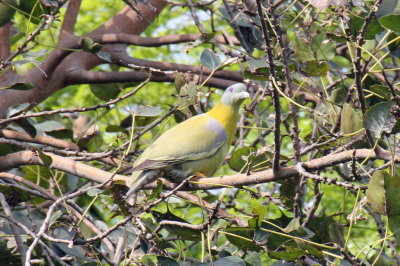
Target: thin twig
<point>17,236</point>
<point>275,94</point>
<point>46,22</point>
<point>81,109</point>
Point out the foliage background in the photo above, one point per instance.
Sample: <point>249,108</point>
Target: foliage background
<point>316,144</point>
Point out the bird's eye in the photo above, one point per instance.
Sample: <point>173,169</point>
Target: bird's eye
<point>230,89</point>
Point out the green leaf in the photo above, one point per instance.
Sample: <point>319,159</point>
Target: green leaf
<point>388,7</point>
<point>251,76</point>
<point>381,258</point>
<point>382,91</point>
<point>27,126</point>
<point>394,46</point>
<point>183,232</point>
<point>116,128</point>
<point>356,23</point>
<point>373,29</point>
<point>253,259</point>
<point>294,225</point>
<point>144,245</point>
<point>376,192</point>
<point>188,89</point>
<point>20,86</point>
<point>392,187</point>
<point>105,92</point>
<point>239,159</point>
<point>350,121</point>
<point>394,225</point>
<point>296,229</point>
<point>150,260</point>
<point>95,48</point>
<point>249,158</point>
<point>336,233</point>
<point>165,261</point>
<point>18,109</point>
<point>261,236</point>
<point>49,125</point>
<point>103,55</point>
<point>303,50</point>
<point>33,10</point>
<point>156,191</point>
<point>210,59</point>
<point>179,82</point>
<point>261,212</point>
<point>230,261</point>
<point>7,149</point>
<point>14,192</point>
<point>258,66</point>
<point>377,119</point>
<point>323,48</point>
<point>311,249</point>
<point>325,114</point>
<point>47,160</point>
<point>273,241</point>
<point>290,254</point>
<point>338,95</point>
<point>382,193</point>
<point>317,68</point>
<point>7,11</point>
<point>288,191</point>
<point>93,192</point>
<point>391,22</point>
<point>35,54</point>
<point>86,43</point>
<point>61,133</point>
<point>242,237</point>
<point>94,144</point>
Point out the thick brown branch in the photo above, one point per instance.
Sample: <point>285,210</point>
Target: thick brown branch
<point>124,58</point>
<point>283,173</point>
<point>112,38</point>
<point>126,21</point>
<point>59,143</point>
<point>68,25</point>
<point>17,159</point>
<point>124,38</point>
<point>5,41</point>
<point>89,77</point>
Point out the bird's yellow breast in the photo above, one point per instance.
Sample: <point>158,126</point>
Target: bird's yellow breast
<point>227,116</point>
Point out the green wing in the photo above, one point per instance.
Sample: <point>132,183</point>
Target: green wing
<point>196,138</point>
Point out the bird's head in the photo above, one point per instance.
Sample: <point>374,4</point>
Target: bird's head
<point>235,94</point>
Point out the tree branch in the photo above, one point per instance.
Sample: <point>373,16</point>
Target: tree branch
<point>59,143</point>
<point>126,21</point>
<point>74,210</point>
<point>17,159</point>
<point>5,41</point>
<point>90,77</point>
<point>125,59</point>
<point>68,24</point>
<point>17,236</point>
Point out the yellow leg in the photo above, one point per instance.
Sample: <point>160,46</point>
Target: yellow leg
<point>199,175</point>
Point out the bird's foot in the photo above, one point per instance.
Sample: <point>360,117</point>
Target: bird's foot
<point>199,175</point>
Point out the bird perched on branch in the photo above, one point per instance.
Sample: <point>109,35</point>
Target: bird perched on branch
<point>197,146</point>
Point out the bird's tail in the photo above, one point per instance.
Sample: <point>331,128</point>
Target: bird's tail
<point>141,179</point>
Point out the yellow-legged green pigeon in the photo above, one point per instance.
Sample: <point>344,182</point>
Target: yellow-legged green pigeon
<point>197,146</point>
